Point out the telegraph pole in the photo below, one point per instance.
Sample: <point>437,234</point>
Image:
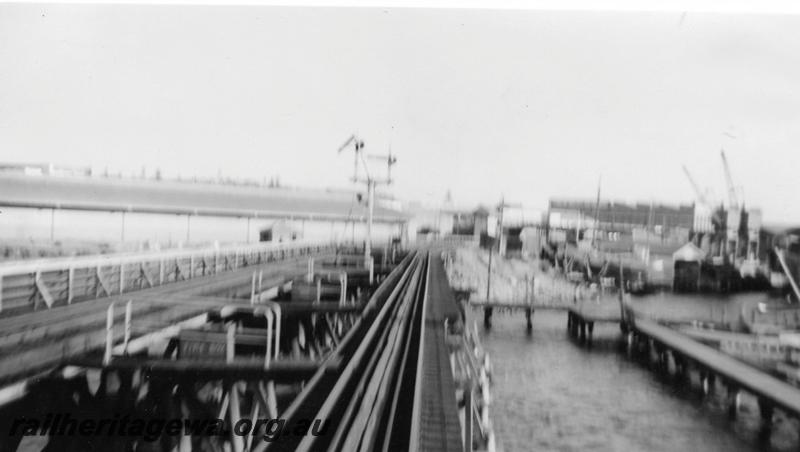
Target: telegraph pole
<point>499,233</point>
<point>370,213</point>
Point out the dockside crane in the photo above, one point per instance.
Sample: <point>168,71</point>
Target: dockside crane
<point>698,193</point>
<point>717,214</point>
<point>733,200</point>
<point>738,232</point>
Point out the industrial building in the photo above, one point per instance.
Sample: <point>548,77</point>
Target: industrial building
<point>132,214</point>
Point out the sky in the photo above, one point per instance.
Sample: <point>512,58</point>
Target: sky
<point>528,105</point>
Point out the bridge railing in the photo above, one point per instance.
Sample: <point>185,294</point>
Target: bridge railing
<point>447,241</point>
<point>29,285</point>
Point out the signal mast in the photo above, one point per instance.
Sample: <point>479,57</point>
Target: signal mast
<point>359,156</point>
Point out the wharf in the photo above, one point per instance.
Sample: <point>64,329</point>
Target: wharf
<point>770,391</point>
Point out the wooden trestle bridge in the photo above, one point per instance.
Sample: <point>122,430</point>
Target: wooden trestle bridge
<point>308,346</point>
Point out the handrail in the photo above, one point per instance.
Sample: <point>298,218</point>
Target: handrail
<point>43,265</point>
<point>268,354</point>
<point>272,312</point>
<point>62,280</point>
<point>275,309</point>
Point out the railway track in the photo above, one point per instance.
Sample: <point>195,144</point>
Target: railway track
<point>383,383</point>
<point>373,402</point>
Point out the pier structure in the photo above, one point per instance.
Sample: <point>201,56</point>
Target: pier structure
<point>678,353</point>
<point>295,331</point>
<point>583,314</point>
<point>671,351</point>
<point>528,305</point>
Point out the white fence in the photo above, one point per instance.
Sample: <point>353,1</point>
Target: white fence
<point>61,281</point>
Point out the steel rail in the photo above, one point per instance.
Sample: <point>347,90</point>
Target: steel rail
<point>365,406</point>
<point>364,402</point>
<point>389,420</point>
<point>350,384</point>
<point>315,395</point>
<point>402,422</point>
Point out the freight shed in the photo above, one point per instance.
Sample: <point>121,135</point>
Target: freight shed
<point>166,213</point>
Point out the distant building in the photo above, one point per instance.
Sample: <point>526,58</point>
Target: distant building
<point>621,225</point>
<point>481,217</point>
<point>280,231</point>
<point>687,268</point>
<point>620,217</point>
<point>650,233</point>
<point>46,208</point>
<point>473,223</point>
<point>43,169</point>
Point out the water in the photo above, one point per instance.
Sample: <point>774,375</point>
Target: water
<point>551,393</point>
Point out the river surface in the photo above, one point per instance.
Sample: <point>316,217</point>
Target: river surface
<point>551,393</point>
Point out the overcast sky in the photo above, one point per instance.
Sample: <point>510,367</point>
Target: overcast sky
<point>529,104</point>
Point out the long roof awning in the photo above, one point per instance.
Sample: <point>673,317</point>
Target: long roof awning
<point>148,196</point>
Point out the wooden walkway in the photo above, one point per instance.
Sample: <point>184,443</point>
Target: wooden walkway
<point>538,304</point>
<point>734,372</point>
<point>605,310</point>
<point>37,341</point>
<point>438,414</point>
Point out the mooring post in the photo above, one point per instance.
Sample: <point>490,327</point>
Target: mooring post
<point>468,417</point>
<point>253,290</point>
<point>371,270</point>
<point>710,382</point>
<point>703,381</point>
<point>527,290</point>
<point>487,317</point>
<point>663,360</point>
<point>70,286</point>
<point>230,343</point>
<point>672,363</point>
<point>629,341</point>
<point>128,314</point>
<point>109,334</point>
<point>652,351</point>
<point>590,327</point>
<point>342,288</point>
<point>528,314</point>
<point>733,400</point>
<point>766,409</point>
<point>680,366</point>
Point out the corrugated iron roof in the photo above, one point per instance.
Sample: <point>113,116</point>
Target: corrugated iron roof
<point>183,198</point>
